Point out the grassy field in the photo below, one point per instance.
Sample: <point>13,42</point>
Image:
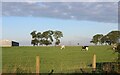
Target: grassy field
<point>67,60</point>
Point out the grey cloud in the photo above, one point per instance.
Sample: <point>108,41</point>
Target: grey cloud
<point>30,1</point>
<point>91,11</point>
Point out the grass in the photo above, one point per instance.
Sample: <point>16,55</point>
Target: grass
<point>67,60</point>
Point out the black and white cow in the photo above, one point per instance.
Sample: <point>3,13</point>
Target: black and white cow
<point>85,48</point>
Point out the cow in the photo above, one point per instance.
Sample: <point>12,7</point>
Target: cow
<point>85,48</point>
<point>62,47</point>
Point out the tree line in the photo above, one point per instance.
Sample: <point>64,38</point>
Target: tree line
<point>112,37</point>
<point>46,37</point>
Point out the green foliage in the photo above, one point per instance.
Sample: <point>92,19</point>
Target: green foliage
<point>97,38</point>
<point>57,35</point>
<point>34,42</point>
<point>39,35</point>
<point>46,38</point>
<point>113,36</point>
<point>118,48</point>
<point>46,42</point>
<point>57,42</point>
<point>104,39</point>
<point>110,38</point>
<point>33,34</point>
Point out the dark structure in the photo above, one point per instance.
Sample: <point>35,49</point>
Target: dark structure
<point>15,43</point>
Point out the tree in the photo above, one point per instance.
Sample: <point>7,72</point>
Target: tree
<point>57,42</point>
<point>105,39</point>
<point>46,42</point>
<point>33,33</point>
<point>39,36</point>
<point>118,59</point>
<point>47,35</point>
<point>118,50</point>
<point>113,36</point>
<point>50,35</point>
<point>57,35</point>
<point>110,38</point>
<point>97,39</point>
<point>34,38</point>
<point>34,42</point>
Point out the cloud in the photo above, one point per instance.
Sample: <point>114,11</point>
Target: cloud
<point>88,11</point>
<point>60,0</point>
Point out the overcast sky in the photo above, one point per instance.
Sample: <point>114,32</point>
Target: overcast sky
<point>79,21</point>
<point>60,0</point>
<point>93,11</point>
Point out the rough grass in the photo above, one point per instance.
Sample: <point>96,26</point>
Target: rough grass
<point>67,60</point>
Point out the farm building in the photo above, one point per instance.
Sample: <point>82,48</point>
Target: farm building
<point>8,43</point>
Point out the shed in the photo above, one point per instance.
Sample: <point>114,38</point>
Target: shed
<point>8,43</point>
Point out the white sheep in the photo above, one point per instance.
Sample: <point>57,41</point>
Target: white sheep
<point>62,47</point>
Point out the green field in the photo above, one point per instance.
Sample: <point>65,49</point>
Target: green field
<point>67,60</point>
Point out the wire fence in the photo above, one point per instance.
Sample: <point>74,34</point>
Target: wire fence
<point>100,67</point>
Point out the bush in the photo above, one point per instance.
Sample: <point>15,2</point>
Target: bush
<point>118,47</point>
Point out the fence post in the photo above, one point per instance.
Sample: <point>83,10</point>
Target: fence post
<point>15,70</point>
<point>94,63</point>
<point>37,65</point>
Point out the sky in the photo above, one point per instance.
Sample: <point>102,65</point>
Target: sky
<point>78,21</point>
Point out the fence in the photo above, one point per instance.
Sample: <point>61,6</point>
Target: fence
<point>102,67</point>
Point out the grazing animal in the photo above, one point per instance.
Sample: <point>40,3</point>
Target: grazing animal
<point>62,47</point>
<point>85,48</point>
<point>114,47</point>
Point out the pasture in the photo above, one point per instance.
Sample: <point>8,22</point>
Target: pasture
<point>61,61</point>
